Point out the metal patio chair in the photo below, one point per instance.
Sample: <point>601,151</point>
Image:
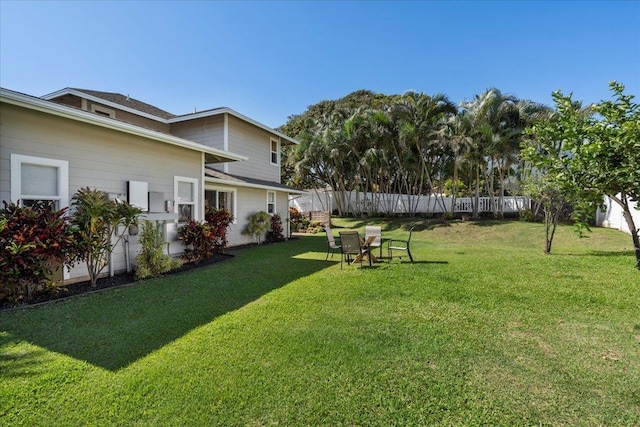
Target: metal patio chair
<point>400,245</point>
<point>375,232</point>
<point>331,243</point>
<point>352,245</point>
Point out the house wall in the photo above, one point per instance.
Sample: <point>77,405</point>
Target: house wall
<point>98,158</point>
<point>613,216</point>
<point>250,201</point>
<point>253,142</point>
<point>207,131</point>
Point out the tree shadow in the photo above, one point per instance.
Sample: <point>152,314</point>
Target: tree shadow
<point>115,328</point>
<point>404,224</point>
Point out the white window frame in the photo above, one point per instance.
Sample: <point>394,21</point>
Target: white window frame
<point>196,197</point>
<point>275,198</point>
<point>276,152</point>
<point>235,199</point>
<point>17,160</point>
<point>103,111</point>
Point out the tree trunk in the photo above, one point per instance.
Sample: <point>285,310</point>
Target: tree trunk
<point>623,201</point>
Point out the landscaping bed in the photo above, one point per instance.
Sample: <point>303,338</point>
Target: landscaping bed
<point>121,279</point>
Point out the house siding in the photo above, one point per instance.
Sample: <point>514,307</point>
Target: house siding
<point>251,141</point>
<point>250,201</point>
<point>107,164</point>
<point>207,131</point>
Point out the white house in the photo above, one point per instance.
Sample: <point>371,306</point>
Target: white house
<point>170,165</point>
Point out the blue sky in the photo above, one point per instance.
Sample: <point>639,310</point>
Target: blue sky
<point>269,60</point>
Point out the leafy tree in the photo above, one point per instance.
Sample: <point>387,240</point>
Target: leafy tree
<point>97,221</point>
<point>593,155</point>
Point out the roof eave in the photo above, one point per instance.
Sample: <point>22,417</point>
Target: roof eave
<point>252,185</point>
<point>38,104</point>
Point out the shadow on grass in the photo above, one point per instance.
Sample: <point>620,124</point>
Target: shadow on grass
<point>114,328</point>
<point>403,224</point>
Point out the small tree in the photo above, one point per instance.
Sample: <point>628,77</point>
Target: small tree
<point>259,223</point>
<point>591,156</point>
<point>152,261</point>
<point>550,196</point>
<point>32,239</point>
<point>97,220</point>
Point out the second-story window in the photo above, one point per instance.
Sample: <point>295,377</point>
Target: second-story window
<point>275,152</point>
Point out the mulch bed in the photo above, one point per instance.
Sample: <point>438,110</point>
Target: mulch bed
<point>121,279</point>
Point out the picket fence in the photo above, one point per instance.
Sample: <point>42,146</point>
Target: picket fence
<point>401,204</point>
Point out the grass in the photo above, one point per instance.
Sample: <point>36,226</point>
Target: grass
<point>483,329</point>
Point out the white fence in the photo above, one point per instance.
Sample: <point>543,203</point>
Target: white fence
<point>401,203</point>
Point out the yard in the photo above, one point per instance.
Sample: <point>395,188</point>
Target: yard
<point>483,329</point>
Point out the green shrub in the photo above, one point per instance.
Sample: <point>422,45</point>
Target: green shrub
<point>219,221</point>
<point>297,220</point>
<point>32,240</point>
<point>259,223</point>
<point>527,215</point>
<point>198,240</point>
<point>275,234</point>
<point>152,261</point>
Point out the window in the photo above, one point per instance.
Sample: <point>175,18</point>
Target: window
<point>274,151</point>
<point>271,202</point>
<point>35,179</point>
<point>186,198</point>
<point>221,198</point>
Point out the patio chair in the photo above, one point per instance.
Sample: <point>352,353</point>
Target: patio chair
<point>375,232</point>
<point>331,243</point>
<point>400,245</point>
<point>352,245</point>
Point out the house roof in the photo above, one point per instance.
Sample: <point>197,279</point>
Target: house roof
<point>143,109</point>
<point>212,155</point>
<point>212,175</point>
<point>129,102</point>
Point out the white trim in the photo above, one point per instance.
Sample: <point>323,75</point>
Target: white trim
<point>225,189</point>
<point>36,104</point>
<point>17,160</point>
<point>196,197</point>
<point>181,118</point>
<point>275,204</point>
<point>225,138</point>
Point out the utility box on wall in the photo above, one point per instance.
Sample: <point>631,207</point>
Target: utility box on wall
<point>156,201</point>
<point>137,194</point>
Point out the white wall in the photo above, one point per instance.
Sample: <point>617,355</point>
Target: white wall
<point>613,217</point>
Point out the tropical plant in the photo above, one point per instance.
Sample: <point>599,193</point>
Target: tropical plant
<point>33,239</point>
<point>152,261</point>
<point>219,220</point>
<point>198,239</point>
<point>97,221</point>
<point>259,223</point>
<point>275,234</point>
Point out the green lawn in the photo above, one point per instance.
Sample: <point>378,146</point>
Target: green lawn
<point>483,329</point>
